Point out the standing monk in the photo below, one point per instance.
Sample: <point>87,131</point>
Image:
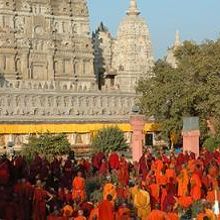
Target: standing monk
<point>106,209</point>
<point>109,189</point>
<point>79,187</point>
<point>39,200</point>
<point>114,161</point>
<point>196,185</point>
<point>183,180</point>
<point>123,175</point>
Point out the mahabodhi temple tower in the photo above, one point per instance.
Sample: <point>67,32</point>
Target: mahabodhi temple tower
<point>57,77</point>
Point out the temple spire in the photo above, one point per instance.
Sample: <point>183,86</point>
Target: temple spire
<point>133,10</point>
<point>177,42</point>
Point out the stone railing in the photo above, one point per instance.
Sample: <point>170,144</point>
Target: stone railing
<point>51,101</point>
<point>70,86</point>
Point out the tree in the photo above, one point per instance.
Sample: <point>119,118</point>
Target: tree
<point>109,139</point>
<point>191,89</point>
<point>47,145</point>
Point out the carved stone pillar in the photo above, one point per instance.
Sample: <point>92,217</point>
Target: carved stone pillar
<point>137,122</point>
<point>25,65</point>
<point>50,60</point>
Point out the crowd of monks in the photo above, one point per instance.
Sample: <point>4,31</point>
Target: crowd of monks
<point>162,187</point>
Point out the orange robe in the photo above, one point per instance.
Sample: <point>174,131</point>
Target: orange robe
<point>79,188</point>
<point>123,213</point>
<point>109,189</point>
<point>185,201</point>
<point>170,173</point>
<point>157,215</point>
<point>80,218</point>
<point>211,196</point>
<point>163,196</point>
<point>173,216</point>
<point>155,191</point>
<point>94,214</point>
<point>195,187</point>
<point>201,216</point>
<point>183,180</point>
<point>106,210</point>
<point>67,211</point>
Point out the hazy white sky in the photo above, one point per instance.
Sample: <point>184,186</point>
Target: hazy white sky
<point>195,19</point>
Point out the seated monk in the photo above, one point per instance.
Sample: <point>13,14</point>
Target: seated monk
<point>109,189</point>
<point>106,209</point>
<point>156,214</point>
<point>78,184</point>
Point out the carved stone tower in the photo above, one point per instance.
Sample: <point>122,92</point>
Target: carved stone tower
<point>46,40</point>
<point>132,50</point>
<point>102,44</point>
<point>171,59</point>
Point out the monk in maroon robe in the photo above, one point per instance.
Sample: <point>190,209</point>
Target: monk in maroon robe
<point>123,175</point>
<point>39,202</point>
<point>114,162</point>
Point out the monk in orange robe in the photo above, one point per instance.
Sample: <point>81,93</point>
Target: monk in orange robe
<point>154,192</point>
<point>78,187</point>
<point>196,185</point>
<point>211,196</point>
<point>123,213</point>
<point>173,216</point>
<point>183,180</point>
<point>170,173</point>
<point>67,210</point>
<point>94,214</point>
<point>157,215</point>
<point>80,216</point>
<point>109,189</point>
<point>185,201</point>
<point>106,209</point>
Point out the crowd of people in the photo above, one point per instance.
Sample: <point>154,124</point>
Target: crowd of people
<point>161,186</point>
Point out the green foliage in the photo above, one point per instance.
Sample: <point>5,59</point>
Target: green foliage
<point>94,188</point>
<point>109,139</point>
<point>211,143</point>
<point>47,145</point>
<point>191,89</point>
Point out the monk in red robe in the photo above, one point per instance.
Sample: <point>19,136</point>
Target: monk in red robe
<point>114,162</point>
<point>39,202</point>
<point>123,175</point>
<point>106,209</point>
<point>103,170</point>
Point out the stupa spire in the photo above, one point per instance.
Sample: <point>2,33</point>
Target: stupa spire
<point>177,42</point>
<point>133,9</point>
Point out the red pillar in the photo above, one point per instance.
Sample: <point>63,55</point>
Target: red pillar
<point>137,122</point>
<point>191,141</point>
